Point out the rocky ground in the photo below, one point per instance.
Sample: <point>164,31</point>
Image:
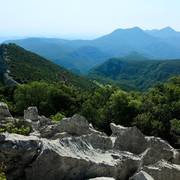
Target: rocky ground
<point>73,150</point>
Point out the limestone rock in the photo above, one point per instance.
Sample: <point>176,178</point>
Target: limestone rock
<point>72,149</point>
<point>99,141</point>
<point>130,139</point>
<point>176,158</point>
<point>4,111</point>
<point>141,176</point>
<point>157,149</point>
<point>31,113</point>
<point>77,126</point>
<point>75,158</point>
<point>117,129</point>
<point>17,152</point>
<point>163,170</point>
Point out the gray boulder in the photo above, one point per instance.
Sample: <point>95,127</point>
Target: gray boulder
<point>130,139</point>
<point>141,176</point>
<point>157,149</point>
<point>163,170</point>
<point>4,111</point>
<point>176,158</point>
<point>17,152</point>
<point>74,126</point>
<point>31,113</point>
<point>75,158</point>
<point>117,129</point>
<point>99,141</point>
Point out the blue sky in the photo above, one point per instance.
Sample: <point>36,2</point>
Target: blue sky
<point>84,18</point>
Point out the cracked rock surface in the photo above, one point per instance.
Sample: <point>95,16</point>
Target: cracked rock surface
<point>73,150</point>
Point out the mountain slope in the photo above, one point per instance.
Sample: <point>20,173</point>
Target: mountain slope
<point>24,66</point>
<point>81,55</point>
<point>166,32</point>
<point>61,52</point>
<point>141,73</point>
<point>134,56</point>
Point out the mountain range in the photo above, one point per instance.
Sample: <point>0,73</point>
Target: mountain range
<point>81,55</point>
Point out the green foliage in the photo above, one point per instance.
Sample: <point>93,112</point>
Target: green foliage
<point>48,98</point>
<point>25,67</point>
<point>142,74</point>
<point>2,174</point>
<point>175,129</point>
<point>155,112</point>
<point>57,117</point>
<point>16,128</point>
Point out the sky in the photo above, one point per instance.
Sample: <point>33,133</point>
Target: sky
<point>84,19</point>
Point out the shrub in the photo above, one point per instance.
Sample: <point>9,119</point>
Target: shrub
<point>16,128</point>
<point>57,117</point>
<point>2,174</point>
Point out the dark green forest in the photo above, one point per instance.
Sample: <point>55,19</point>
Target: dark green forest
<point>134,74</point>
<point>155,112</point>
<point>25,66</point>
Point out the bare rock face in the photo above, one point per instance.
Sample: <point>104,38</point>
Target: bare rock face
<point>99,141</point>
<point>176,158</point>
<point>4,111</point>
<point>74,126</point>
<point>75,158</point>
<point>157,149</point>
<point>17,152</point>
<point>31,113</point>
<point>163,170</point>
<point>130,139</point>
<point>77,125</point>
<point>141,176</point>
<point>117,129</point>
<point>72,149</point>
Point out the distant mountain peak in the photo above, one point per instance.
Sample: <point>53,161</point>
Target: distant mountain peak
<point>136,28</point>
<point>134,55</point>
<point>166,32</point>
<point>168,28</point>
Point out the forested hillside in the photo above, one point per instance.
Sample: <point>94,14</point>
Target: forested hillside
<point>24,66</point>
<point>76,58</point>
<point>155,112</point>
<point>139,73</point>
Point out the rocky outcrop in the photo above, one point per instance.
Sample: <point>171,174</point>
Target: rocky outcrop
<point>4,111</point>
<point>141,176</point>
<point>130,139</point>
<point>163,170</point>
<point>17,152</point>
<point>75,158</point>
<point>72,149</point>
<point>5,116</point>
<point>31,113</point>
<point>8,80</point>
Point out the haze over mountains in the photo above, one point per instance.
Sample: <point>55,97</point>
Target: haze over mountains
<point>81,55</point>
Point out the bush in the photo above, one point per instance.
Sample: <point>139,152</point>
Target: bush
<point>2,174</point>
<point>57,117</point>
<point>15,128</point>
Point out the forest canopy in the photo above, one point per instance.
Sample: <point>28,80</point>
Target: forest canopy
<point>155,112</point>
